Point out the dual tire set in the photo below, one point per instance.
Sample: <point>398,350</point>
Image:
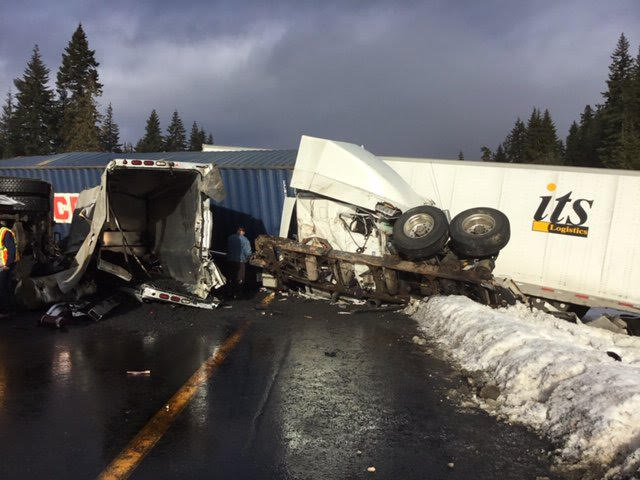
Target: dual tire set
<point>423,232</point>
<point>34,195</point>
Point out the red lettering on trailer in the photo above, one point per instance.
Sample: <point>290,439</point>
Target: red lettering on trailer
<point>63,206</point>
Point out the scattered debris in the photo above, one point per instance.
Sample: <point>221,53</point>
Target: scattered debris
<point>140,373</point>
<point>308,316</point>
<point>102,308</point>
<point>57,316</point>
<point>330,354</point>
<point>371,469</point>
<point>268,299</point>
<point>358,452</point>
<point>450,465</point>
<point>615,356</point>
<point>489,391</point>
<point>345,313</point>
<point>418,340</point>
<point>613,324</point>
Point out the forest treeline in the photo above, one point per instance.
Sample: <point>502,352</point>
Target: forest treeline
<point>606,135</point>
<point>36,119</point>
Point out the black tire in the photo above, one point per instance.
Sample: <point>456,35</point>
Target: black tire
<point>420,232</point>
<point>24,186</point>
<point>479,232</point>
<point>29,204</point>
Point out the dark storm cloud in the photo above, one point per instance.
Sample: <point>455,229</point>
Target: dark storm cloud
<point>412,78</point>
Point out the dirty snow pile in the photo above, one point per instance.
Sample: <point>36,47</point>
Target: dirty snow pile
<point>553,376</point>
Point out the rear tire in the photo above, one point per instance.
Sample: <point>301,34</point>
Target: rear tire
<point>479,232</point>
<point>24,186</point>
<point>420,232</point>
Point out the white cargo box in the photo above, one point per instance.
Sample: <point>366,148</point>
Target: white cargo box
<point>575,232</point>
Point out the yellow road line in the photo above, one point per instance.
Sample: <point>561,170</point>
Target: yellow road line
<point>126,462</point>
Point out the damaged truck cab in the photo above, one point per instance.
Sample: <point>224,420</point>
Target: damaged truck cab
<point>362,231</point>
<point>148,226</point>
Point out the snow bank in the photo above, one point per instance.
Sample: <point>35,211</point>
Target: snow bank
<point>554,376</point>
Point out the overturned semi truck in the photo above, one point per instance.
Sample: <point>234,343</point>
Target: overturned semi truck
<point>147,228</point>
<point>356,228</point>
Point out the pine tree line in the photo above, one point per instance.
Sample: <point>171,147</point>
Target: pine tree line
<point>38,120</point>
<point>175,139</point>
<point>606,136</point>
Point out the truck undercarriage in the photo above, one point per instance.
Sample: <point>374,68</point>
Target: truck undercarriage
<point>390,279</point>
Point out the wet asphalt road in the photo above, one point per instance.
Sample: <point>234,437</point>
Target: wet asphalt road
<point>303,392</point>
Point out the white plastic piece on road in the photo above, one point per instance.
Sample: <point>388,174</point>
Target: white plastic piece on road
<point>554,376</point>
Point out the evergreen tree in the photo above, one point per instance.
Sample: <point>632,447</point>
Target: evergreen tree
<point>514,144</point>
<point>82,133</point>
<point>620,71</point>
<point>7,131</point>
<point>195,139</point>
<point>500,155</point>
<point>202,137</point>
<point>486,154</point>
<point>552,147</point>
<point>461,156</point>
<point>533,139</point>
<point>210,139</point>
<point>78,86</point>
<point>617,120</point>
<point>572,155</point>
<point>176,139</point>
<point>34,109</point>
<point>110,133</point>
<point>152,140</point>
<point>589,138</point>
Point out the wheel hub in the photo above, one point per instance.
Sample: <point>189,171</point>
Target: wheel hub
<point>418,225</point>
<point>478,224</point>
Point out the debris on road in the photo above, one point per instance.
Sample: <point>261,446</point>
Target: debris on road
<point>450,465</point>
<point>138,373</point>
<point>553,376</point>
<point>614,325</point>
<point>489,392</point>
<point>371,469</point>
<point>418,340</point>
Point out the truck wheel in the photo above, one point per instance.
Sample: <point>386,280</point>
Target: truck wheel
<point>24,186</point>
<point>29,204</point>
<point>420,232</point>
<point>479,232</point>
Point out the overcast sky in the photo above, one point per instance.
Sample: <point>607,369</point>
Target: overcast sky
<point>401,77</point>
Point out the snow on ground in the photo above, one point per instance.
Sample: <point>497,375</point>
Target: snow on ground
<point>554,376</point>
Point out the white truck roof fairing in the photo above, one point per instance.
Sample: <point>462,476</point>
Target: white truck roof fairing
<point>351,174</point>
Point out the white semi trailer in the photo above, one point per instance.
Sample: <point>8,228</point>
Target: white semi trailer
<point>575,232</point>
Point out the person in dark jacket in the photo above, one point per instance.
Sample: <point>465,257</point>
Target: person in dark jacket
<point>238,253</point>
<point>8,258</point>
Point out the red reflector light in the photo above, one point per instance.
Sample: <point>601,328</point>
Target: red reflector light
<point>136,162</point>
<point>581,295</point>
<point>164,296</point>
<point>175,299</point>
<point>148,163</point>
<point>547,289</point>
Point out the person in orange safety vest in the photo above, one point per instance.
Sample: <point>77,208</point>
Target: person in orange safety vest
<point>8,258</point>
